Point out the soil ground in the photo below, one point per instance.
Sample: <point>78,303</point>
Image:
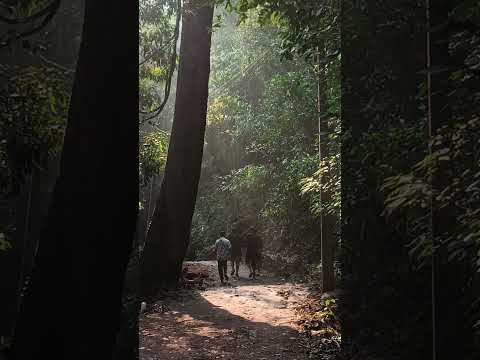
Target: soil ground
<point>244,319</point>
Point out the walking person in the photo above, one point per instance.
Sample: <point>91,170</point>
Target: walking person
<point>239,246</point>
<point>236,255</point>
<point>223,249</point>
<point>254,249</point>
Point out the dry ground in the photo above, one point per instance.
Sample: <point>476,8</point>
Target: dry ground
<point>245,319</point>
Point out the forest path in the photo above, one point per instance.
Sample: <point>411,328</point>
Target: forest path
<point>245,319</point>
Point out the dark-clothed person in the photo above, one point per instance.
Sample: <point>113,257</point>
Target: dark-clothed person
<point>254,249</point>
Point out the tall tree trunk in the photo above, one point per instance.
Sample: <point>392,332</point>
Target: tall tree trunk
<point>71,308</point>
<point>169,232</point>
<point>327,221</point>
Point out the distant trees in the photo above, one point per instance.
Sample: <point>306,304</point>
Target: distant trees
<point>309,31</point>
<point>407,199</point>
<point>169,232</point>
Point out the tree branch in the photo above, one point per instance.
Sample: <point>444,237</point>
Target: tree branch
<point>54,7</point>
<point>54,64</point>
<point>173,61</point>
<point>156,51</point>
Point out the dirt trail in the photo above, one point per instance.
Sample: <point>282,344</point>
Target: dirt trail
<point>246,319</point>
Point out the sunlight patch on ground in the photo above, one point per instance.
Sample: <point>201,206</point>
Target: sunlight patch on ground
<point>245,319</point>
<point>258,303</point>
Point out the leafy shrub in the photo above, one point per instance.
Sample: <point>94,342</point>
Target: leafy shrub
<point>33,111</point>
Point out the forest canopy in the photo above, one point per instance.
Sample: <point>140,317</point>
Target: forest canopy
<point>344,135</point>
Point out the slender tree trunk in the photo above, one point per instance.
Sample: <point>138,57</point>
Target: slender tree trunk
<point>72,307</point>
<point>451,324</point>
<point>327,221</point>
<point>169,232</point>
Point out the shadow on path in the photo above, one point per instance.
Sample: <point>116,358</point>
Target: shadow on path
<point>251,320</point>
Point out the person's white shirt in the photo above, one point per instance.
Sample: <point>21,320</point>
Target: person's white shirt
<point>223,248</point>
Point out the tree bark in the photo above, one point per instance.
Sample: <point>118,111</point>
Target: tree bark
<point>169,232</point>
<point>72,307</point>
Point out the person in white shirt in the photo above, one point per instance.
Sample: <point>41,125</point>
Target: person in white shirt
<point>223,249</point>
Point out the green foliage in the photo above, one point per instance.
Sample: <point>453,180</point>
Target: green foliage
<point>33,110</point>
<point>316,184</point>
<point>249,178</point>
<point>449,176</point>
<point>455,149</point>
<point>4,244</point>
<point>5,343</point>
<point>208,220</point>
<point>303,28</point>
<point>264,103</point>
<point>152,154</point>
<point>303,25</point>
<point>226,114</point>
<point>390,171</point>
<point>156,48</point>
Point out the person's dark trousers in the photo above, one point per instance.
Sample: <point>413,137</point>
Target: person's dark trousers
<point>222,270</point>
<point>253,267</point>
<point>235,262</point>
